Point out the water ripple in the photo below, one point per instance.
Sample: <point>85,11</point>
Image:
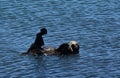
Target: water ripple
<point>94,24</point>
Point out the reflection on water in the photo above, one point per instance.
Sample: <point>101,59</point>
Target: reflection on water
<point>94,24</point>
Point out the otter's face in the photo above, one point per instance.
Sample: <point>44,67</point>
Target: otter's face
<point>69,48</point>
<point>74,47</point>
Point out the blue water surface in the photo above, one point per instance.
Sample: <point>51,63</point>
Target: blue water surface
<point>94,24</point>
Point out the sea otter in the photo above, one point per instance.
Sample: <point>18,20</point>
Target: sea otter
<point>64,49</point>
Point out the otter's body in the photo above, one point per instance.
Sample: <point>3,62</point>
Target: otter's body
<point>64,49</point>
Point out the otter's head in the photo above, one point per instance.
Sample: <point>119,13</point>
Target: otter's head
<point>74,47</point>
<point>69,48</point>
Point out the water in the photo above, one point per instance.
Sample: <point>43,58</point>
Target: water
<point>95,24</point>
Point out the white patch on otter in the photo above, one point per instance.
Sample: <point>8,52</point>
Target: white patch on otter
<point>72,43</point>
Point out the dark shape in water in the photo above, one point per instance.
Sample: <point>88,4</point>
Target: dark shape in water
<point>64,49</point>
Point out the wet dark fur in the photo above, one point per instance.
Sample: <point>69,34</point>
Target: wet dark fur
<point>63,49</point>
